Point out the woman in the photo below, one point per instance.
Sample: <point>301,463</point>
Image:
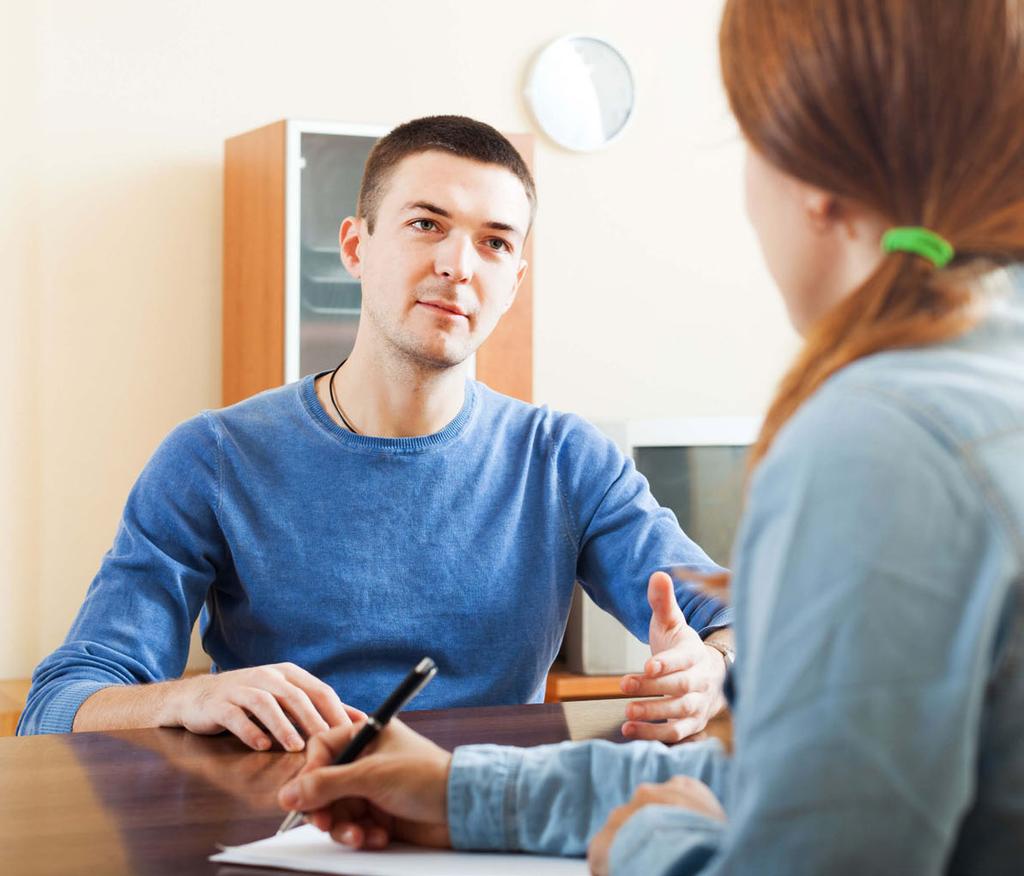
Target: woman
<point>879,691</point>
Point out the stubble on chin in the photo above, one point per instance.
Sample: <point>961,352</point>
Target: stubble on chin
<point>436,354</point>
<point>411,343</point>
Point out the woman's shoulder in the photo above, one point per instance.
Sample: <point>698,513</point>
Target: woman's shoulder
<point>908,440</point>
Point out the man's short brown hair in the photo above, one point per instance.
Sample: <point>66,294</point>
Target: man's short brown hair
<point>457,135</point>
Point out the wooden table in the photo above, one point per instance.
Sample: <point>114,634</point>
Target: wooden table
<point>13,693</point>
<point>158,801</point>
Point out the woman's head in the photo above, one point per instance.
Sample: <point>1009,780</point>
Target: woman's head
<point>816,245</point>
<point>866,114</point>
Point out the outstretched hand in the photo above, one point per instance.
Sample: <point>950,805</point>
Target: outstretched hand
<point>682,670</point>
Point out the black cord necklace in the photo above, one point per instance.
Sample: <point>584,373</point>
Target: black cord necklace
<point>334,400</point>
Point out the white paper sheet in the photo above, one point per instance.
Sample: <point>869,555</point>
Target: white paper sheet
<point>310,850</point>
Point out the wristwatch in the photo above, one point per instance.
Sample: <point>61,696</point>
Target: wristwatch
<point>728,653</point>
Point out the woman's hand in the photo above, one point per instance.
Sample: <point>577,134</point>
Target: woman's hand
<point>398,789</point>
<point>681,791</point>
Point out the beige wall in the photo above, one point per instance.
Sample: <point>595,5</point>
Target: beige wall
<point>19,542</point>
<point>651,299</point>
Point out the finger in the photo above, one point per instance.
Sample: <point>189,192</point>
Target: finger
<point>353,713</point>
<point>322,695</point>
<point>235,721</point>
<point>686,783</point>
<point>263,706</point>
<point>354,810</point>
<point>677,659</point>
<point>669,708</point>
<point>661,595</point>
<point>318,754</point>
<point>331,743</point>
<point>675,684</point>
<point>349,833</point>
<point>299,707</point>
<point>321,819</point>
<point>670,732</point>
<point>327,785</point>
<point>326,818</point>
<point>669,795</point>
<point>363,833</point>
<point>375,836</point>
<point>649,792</point>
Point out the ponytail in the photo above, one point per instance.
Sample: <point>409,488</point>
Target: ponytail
<point>905,303</point>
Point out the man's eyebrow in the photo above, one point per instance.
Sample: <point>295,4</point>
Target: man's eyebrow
<point>440,211</point>
<point>430,208</point>
<point>503,226</point>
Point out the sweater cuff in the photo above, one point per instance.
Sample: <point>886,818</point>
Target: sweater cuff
<point>722,620</point>
<point>481,797</point>
<point>657,840</point>
<point>58,712</point>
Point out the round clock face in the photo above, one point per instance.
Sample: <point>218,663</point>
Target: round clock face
<point>580,89</point>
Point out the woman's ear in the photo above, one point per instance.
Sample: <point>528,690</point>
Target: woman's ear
<point>823,209</point>
<point>850,221</point>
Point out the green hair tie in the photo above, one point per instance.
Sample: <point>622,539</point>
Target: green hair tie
<point>920,241</point>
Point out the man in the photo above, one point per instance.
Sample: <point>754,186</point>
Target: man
<point>358,520</point>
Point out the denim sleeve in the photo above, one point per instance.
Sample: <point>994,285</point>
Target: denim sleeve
<point>135,623</point>
<point>622,535</point>
<point>553,798</point>
<point>664,840</point>
<point>864,637</point>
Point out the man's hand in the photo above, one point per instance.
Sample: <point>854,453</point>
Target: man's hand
<point>685,672</point>
<point>282,701</point>
<point>397,790</point>
<point>681,791</point>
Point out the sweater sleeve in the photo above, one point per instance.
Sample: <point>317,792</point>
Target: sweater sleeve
<point>135,623</point>
<point>623,535</point>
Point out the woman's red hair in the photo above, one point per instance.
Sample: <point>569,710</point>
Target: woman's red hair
<point>911,108</point>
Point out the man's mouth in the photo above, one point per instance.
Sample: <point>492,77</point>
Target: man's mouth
<point>445,307</point>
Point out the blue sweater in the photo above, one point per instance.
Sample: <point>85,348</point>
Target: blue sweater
<point>355,556</point>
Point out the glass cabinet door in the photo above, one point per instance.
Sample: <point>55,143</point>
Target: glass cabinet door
<point>331,167</point>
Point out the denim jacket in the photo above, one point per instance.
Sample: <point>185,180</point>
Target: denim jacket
<point>879,687</point>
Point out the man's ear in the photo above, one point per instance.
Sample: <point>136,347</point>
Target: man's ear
<point>523,265</point>
<point>350,241</point>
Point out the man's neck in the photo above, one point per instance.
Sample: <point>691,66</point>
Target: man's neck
<point>393,399</point>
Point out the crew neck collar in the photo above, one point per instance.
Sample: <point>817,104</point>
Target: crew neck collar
<point>372,443</point>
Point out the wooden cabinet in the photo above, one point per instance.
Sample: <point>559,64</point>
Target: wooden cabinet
<point>289,308</point>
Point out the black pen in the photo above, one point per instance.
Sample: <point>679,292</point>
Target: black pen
<point>411,685</point>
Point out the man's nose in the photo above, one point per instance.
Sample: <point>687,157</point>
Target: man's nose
<point>455,258</point>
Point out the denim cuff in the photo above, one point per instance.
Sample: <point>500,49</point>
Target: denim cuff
<point>721,620</point>
<point>660,839</point>
<point>481,797</point>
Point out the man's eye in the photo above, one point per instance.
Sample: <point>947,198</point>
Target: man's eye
<point>425,224</point>
<point>497,244</point>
